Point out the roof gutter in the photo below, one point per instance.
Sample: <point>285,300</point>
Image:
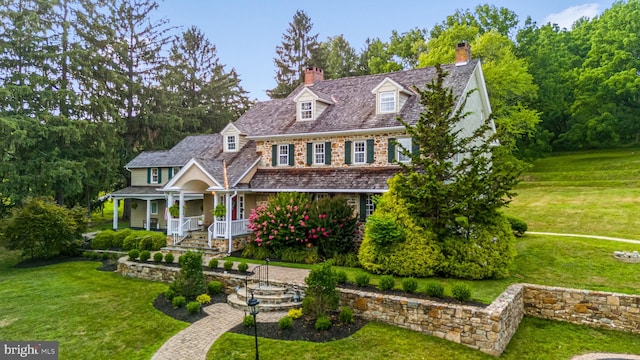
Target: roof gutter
<point>329,133</point>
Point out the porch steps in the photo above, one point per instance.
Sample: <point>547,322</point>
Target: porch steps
<point>272,298</point>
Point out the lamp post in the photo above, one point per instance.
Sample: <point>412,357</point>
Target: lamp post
<point>254,310</point>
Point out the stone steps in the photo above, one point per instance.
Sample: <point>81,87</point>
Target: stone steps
<point>272,298</point>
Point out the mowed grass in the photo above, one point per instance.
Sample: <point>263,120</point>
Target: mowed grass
<point>536,339</point>
<point>591,193</point>
<point>93,314</point>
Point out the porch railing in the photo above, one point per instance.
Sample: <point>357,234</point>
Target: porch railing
<point>219,228</point>
<point>178,230</point>
<point>260,275</point>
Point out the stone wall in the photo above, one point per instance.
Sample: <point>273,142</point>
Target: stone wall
<point>486,329</point>
<point>238,243</point>
<point>593,308</point>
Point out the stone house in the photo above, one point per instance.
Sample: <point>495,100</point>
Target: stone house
<point>327,137</point>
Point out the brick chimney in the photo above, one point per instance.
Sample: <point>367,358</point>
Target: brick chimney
<point>463,53</point>
<point>313,74</point>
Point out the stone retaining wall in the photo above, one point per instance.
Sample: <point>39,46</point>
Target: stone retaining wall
<point>593,308</point>
<point>488,329</point>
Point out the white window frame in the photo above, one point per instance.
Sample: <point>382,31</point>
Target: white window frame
<point>370,206</point>
<point>360,152</point>
<point>406,143</point>
<point>231,143</point>
<point>319,153</point>
<point>305,110</point>
<point>283,154</point>
<point>154,175</point>
<point>154,208</point>
<point>387,102</point>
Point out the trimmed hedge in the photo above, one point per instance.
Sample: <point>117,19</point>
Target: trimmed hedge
<point>103,240</point>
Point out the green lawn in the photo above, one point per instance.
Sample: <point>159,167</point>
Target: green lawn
<point>93,314</point>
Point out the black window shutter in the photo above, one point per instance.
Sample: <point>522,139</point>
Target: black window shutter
<point>370,151</point>
<point>392,149</point>
<point>170,173</point>
<point>327,153</point>
<point>309,153</point>
<point>347,152</point>
<point>415,148</point>
<point>363,207</point>
<point>159,175</point>
<point>148,175</point>
<point>291,154</point>
<point>274,155</point>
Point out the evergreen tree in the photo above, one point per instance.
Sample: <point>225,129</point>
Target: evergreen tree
<point>293,55</point>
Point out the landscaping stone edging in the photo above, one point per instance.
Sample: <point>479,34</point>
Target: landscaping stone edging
<point>488,329</point>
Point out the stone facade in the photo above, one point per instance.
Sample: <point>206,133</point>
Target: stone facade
<point>593,308</point>
<point>238,243</point>
<point>380,158</point>
<point>488,329</point>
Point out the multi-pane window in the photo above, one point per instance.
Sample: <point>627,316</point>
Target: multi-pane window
<point>306,110</point>
<point>359,152</point>
<point>283,154</point>
<point>240,206</point>
<point>406,144</point>
<point>154,208</point>
<point>154,175</point>
<point>232,143</point>
<point>387,101</point>
<point>370,206</point>
<point>318,153</point>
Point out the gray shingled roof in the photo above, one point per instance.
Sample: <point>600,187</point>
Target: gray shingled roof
<point>139,190</point>
<point>179,155</point>
<point>358,179</point>
<point>238,163</point>
<point>354,105</point>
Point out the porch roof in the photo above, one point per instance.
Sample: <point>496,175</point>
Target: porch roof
<point>358,180</point>
<point>142,192</point>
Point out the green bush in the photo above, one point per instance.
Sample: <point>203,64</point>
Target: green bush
<point>130,242</point>
<point>347,260</point>
<point>341,276</point>
<point>145,255</point>
<point>179,301</point>
<point>157,257</point>
<point>193,307</point>
<point>461,291</point>
<point>285,323</point>
<point>362,279</point>
<point>242,267</point>
<point>145,242</point>
<point>214,287</point>
<point>295,313</point>
<point>308,304</point>
<point>253,251</point>
<point>228,265</point>
<point>168,258</point>
<point>118,238</point>
<point>299,255</point>
<point>133,254</point>
<point>409,284</point>
<point>248,321</point>
<point>213,264</point>
<point>323,323</point>
<point>434,289</point>
<point>346,315</point>
<point>203,299</point>
<point>384,229</point>
<point>87,254</point>
<point>103,240</point>
<point>387,282</point>
<point>158,240</point>
<point>518,225</point>
<point>331,226</point>
<point>321,286</point>
<point>487,251</point>
<point>190,281</point>
<point>104,256</point>
<point>169,294</point>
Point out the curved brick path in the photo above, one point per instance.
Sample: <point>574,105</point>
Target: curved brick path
<point>194,341</point>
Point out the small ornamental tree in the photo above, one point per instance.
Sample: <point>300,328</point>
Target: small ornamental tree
<point>281,223</point>
<point>321,289</point>
<point>190,281</point>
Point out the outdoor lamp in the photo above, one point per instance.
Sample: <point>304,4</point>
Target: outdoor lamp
<point>254,310</point>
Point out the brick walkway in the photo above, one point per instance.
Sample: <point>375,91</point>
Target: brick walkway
<point>607,356</point>
<point>194,341</point>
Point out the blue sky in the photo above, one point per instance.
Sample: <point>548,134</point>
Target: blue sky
<point>246,32</point>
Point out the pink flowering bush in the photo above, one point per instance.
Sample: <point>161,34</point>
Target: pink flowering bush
<point>332,226</point>
<point>281,223</point>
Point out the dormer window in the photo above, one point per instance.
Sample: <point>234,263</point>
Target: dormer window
<point>231,143</point>
<point>387,102</point>
<point>306,110</point>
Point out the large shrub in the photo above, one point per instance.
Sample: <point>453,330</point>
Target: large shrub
<point>321,288</point>
<point>118,238</point>
<point>144,240</point>
<point>281,223</point>
<point>394,244</point>
<point>103,240</point>
<point>190,281</point>
<point>42,229</point>
<point>486,251</point>
<point>332,226</point>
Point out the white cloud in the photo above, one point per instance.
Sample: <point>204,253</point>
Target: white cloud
<point>568,16</point>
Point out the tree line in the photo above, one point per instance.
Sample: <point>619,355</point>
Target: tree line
<point>86,85</point>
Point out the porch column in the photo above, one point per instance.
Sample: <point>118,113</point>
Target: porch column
<point>167,205</point>
<point>115,213</point>
<point>228,218</point>
<point>148,214</point>
<point>181,218</point>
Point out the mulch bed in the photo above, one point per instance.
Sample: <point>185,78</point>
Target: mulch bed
<point>34,263</point>
<point>303,329</point>
<point>163,304</point>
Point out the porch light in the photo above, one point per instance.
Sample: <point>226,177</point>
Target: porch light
<point>254,310</point>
